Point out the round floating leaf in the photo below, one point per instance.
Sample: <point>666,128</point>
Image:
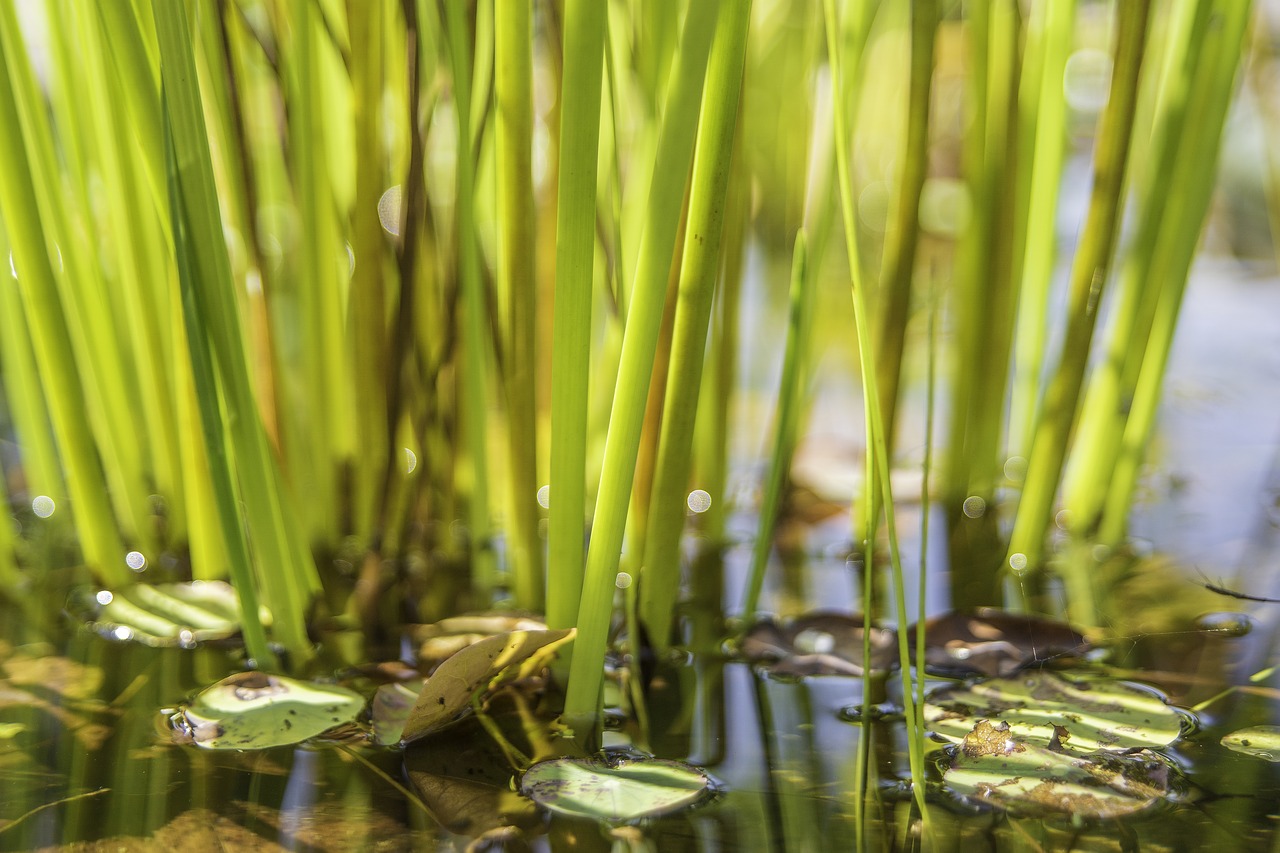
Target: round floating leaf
<point>168,614</point>
<point>818,643</point>
<point>253,710</point>
<point>993,767</point>
<point>995,643</point>
<point>1081,714</point>
<point>616,792</point>
<point>1258,741</point>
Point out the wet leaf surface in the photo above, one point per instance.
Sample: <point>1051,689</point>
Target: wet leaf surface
<point>994,767</point>
<point>1080,713</point>
<point>167,614</point>
<point>504,657</point>
<point>614,791</point>
<point>996,643</point>
<point>819,643</point>
<point>1259,741</point>
<point>254,710</point>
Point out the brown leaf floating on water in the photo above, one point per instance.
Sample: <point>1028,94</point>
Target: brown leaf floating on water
<point>996,643</point>
<point>818,643</point>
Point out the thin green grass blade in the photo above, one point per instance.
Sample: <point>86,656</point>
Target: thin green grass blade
<point>787,420</point>
<point>877,467</point>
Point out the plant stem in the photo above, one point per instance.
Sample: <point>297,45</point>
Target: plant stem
<point>1088,276</point>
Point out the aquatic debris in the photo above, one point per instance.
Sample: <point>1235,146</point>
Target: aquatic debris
<point>818,643</point>
<point>255,710</point>
<point>504,657</point>
<point>166,614</point>
<point>1259,741</point>
<point>615,790</point>
<point>995,642</point>
<point>993,766</point>
<point>1096,712</point>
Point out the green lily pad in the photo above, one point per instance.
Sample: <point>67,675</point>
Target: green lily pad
<point>481,665</point>
<point>1259,741</point>
<point>167,614</point>
<point>254,710</point>
<point>995,768</point>
<point>1080,714</point>
<point>617,792</point>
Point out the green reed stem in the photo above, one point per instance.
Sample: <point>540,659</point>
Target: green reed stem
<point>644,319</point>
<point>1184,219</point>
<point>699,269</point>
<point>239,562</point>
<point>1043,116</point>
<point>1144,275</point>
<point>799,321</point>
<point>877,447</point>
<point>513,114</point>
<point>475,391</point>
<point>584,32</point>
<point>26,222</point>
<point>1057,415</point>
<point>285,569</point>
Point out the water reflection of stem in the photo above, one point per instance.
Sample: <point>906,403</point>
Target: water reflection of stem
<point>409,796</point>
<point>5,827</point>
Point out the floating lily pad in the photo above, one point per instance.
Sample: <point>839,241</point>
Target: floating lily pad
<point>168,614</point>
<point>617,792</point>
<point>996,643</point>
<point>449,690</point>
<point>994,767</point>
<point>819,643</point>
<point>1259,741</point>
<point>1095,712</point>
<point>254,710</point>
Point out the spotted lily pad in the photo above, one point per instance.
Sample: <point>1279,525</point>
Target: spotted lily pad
<point>167,614</point>
<point>254,710</point>
<point>1080,713</point>
<point>440,640</point>
<point>504,657</point>
<point>994,767</point>
<point>1258,741</point>
<point>618,791</point>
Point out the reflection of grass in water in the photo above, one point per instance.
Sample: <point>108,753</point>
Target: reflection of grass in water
<point>195,330</point>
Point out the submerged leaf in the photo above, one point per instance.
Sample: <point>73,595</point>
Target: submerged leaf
<point>996,643</point>
<point>254,710</point>
<point>616,792</point>
<point>392,704</point>
<point>450,688</point>
<point>1095,712</point>
<point>994,767</point>
<point>167,614</point>
<point>1259,741</point>
<point>819,643</point>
